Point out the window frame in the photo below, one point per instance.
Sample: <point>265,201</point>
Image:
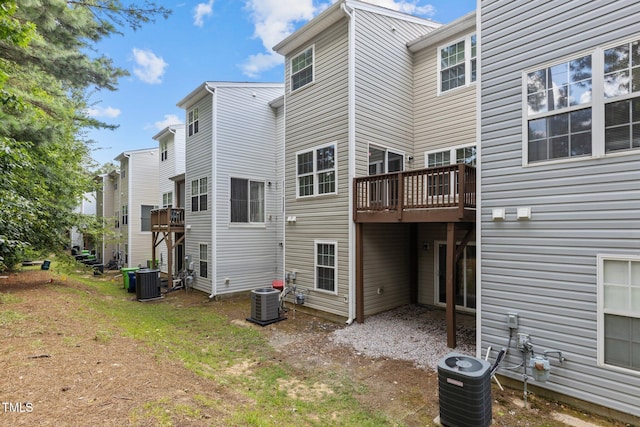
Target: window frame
<point>249,221</point>
<point>333,243</point>
<point>146,220</point>
<point>469,62</point>
<point>315,172</point>
<point>125,215</point>
<point>193,121</point>
<point>164,150</point>
<point>200,196</point>
<point>452,154</point>
<point>602,311</point>
<point>597,105</point>
<point>167,199</point>
<point>203,265</point>
<point>312,65</point>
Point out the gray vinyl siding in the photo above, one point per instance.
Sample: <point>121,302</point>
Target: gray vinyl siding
<point>545,268</point>
<point>318,115</point>
<point>246,254</point>
<point>441,120</point>
<point>199,164</point>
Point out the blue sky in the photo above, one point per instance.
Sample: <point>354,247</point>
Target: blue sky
<point>212,40</point>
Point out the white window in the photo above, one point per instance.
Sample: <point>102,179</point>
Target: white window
<point>325,266</point>
<point>247,201</point>
<point>619,311</point>
<point>193,121</point>
<point>125,214</point>
<point>442,183</point>
<point>465,277</point>
<point>457,64</point>
<point>382,160</point>
<point>167,200</point>
<point>316,171</point>
<point>302,69</point>
<point>587,106</point>
<point>145,217</point>
<point>199,195</point>
<point>164,151</point>
<point>204,264</point>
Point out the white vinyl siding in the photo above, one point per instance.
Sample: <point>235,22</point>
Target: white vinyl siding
<point>236,141</point>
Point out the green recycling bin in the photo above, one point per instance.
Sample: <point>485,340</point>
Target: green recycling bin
<point>125,275</point>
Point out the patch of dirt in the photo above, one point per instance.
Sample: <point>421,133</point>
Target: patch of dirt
<point>58,370</point>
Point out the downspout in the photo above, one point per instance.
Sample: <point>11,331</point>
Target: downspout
<point>479,186</point>
<point>350,12</point>
<point>129,182</point>
<point>214,171</point>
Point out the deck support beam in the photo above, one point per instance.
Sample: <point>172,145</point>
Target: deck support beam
<point>450,285</point>
<point>359,273</point>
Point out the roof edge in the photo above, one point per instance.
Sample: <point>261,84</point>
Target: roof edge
<point>468,21</point>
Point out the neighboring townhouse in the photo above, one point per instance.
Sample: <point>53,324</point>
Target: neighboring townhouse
<point>138,196</point>
<point>107,209</point>
<point>87,206</point>
<point>560,194</point>
<point>167,222</point>
<point>369,227</point>
<point>233,211</point>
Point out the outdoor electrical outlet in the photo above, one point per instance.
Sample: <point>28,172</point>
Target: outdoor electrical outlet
<point>512,320</point>
<point>380,291</point>
<point>227,281</point>
<point>523,340</point>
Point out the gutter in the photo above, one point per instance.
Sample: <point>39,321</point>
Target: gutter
<point>214,170</point>
<point>351,14</point>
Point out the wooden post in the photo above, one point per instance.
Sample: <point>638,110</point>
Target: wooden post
<point>413,263</point>
<point>450,285</point>
<point>359,274</point>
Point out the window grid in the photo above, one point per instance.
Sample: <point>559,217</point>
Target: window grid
<point>619,311</point>
<point>164,153</point>
<point>457,64</point>
<point>199,195</point>
<point>204,260</point>
<point>247,201</point>
<point>302,69</point>
<point>125,214</point>
<point>316,171</point>
<point>167,200</point>
<point>326,266</point>
<point>193,121</point>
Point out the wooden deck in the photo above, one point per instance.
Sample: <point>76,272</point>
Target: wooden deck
<point>168,219</point>
<point>441,194</point>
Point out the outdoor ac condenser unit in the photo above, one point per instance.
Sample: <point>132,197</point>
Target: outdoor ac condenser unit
<point>264,304</point>
<point>148,284</point>
<point>465,391</point>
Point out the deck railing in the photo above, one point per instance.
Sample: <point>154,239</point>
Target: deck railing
<point>451,186</point>
<point>167,218</point>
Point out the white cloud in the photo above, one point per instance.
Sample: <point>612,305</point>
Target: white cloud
<point>201,11</point>
<point>274,20</point>
<point>149,67</point>
<point>169,119</point>
<point>406,6</point>
<point>109,112</point>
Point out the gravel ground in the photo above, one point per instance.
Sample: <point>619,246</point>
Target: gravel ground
<point>413,333</point>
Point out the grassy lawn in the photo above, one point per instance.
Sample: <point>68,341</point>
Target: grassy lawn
<point>226,354</point>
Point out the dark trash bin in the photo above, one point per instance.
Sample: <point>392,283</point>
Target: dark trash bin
<point>45,264</point>
<point>132,282</point>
